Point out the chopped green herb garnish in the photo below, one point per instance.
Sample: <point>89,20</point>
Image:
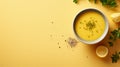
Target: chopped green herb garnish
<point>90,25</point>
<point>115,57</point>
<point>118,29</point>
<point>111,38</point>
<point>75,1</point>
<point>115,34</point>
<point>111,3</point>
<point>80,22</point>
<point>110,43</point>
<point>95,1</point>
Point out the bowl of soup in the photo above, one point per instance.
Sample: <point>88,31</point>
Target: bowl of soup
<point>90,26</point>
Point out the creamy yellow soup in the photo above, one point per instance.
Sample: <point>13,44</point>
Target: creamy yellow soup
<point>90,25</point>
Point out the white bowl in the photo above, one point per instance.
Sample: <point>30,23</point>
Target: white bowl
<point>104,33</point>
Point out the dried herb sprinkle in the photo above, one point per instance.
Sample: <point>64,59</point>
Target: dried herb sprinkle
<point>90,25</point>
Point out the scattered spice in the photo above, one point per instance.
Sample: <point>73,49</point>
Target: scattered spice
<point>62,35</point>
<point>52,22</point>
<point>65,40</point>
<point>59,47</point>
<point>80,22</point>
<point>58,43</point>
<point>86,56</point>
<point>51,35</point>
<point>72,42</point>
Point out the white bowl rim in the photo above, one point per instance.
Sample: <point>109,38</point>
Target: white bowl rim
<point>104,33</point>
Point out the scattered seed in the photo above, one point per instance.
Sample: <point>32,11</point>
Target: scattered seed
<point>58,43</point>
<point>86,56</point>
<point>59,47</point>
<point>97,31</point>
<point>52,22</point>
<point>80,22</point>
<point>51,35</point>
<point>62,35</point>
<point>65,40</point>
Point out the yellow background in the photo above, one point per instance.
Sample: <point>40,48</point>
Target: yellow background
<point>33,34</point>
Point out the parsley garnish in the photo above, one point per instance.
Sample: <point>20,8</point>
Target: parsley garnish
<point>95,1</point>
<point>75,1</point>
<point>115,57</point>
<point>90,25</point>
<point>115,34</point>
<point>110,44</point>
<point>111,3</point>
